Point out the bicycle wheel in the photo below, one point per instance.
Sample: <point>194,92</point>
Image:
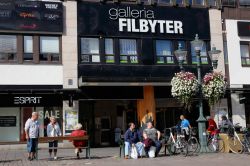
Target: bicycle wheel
<point>172,148</point>
<point>182,149</point>
<point>193,145</point>
<point>235,145</point>
<point>216,145</point>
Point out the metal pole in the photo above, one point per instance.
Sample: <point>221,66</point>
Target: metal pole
<point>201,120</point>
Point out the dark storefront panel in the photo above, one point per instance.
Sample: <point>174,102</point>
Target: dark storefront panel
<point>34,16</point>
<point>98,19</point>
<point>114,92</point>
<point>30,100</point>
<point>243,28</point>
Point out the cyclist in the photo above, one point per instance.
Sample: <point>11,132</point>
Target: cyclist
<point>212,126</point>
<point>185,125</point>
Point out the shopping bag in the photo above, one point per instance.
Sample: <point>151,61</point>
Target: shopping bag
<point>134,154</point>
<point>151,152</point>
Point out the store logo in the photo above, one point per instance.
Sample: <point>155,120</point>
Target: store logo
<point>27,15</point>
<point>133,20</point>
<point>28,5</point>
<point>31,26</point>
<point>51,6</point>
<point>27,100</point>
<point>51,16</point>
<point>5,14</point>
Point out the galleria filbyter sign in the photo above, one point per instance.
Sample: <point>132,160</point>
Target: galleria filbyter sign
<point>133,20</point>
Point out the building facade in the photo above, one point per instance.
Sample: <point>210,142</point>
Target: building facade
<point>236,27</point>
<point>110,63</point>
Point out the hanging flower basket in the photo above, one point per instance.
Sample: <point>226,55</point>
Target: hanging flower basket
<point>214,86</point>
<point>184,87</point>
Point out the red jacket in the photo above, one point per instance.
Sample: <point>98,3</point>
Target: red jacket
<point>211,125</point>
<point>79,133</point>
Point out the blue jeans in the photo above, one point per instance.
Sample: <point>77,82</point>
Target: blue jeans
<point>139,148</point>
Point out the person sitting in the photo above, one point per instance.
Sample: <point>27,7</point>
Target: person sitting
<point>212,126</point>
<point>185,125</point>
<point>78,144</point>
<point>132,138</point>
<point>153,134</point>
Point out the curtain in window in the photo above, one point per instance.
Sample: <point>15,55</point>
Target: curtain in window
<point>163,47</point>
<point>49,44</point>
<point>128,47</point>
<point>8,44</point>
<point>28,44</point>
<point>90,46</point>
<point>109,50</point>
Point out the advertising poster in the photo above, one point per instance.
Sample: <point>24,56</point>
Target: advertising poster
<point>71,119</point>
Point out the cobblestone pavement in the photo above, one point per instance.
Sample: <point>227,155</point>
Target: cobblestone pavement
<point>109,157</point>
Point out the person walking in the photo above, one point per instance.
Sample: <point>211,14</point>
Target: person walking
<point>78,132</point>
<point>132,138</point>
<point>153,134</point>
<point>53,130</point>
<point>32,133</point>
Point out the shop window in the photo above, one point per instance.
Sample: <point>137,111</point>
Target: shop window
<point>49,48</point>
<point>27,48</point>
<point>244,2</point>
<point>8,48</point>
<point>128,51</point>
<point>165,1</point>
<point>199,2</point>
<point>109,51</point>
<point>203,54</point>
<point>244,51</point>
<point>90,50</point>
<point>164,52</point>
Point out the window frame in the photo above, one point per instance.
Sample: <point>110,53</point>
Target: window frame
<point>165,57</point>
<point>90,55</point>
<point>49,59</point>
<point>248,44</point>
<point>128,56</point>
<point>106,55</point>
<point>23,52</point>
<point>6,59</point>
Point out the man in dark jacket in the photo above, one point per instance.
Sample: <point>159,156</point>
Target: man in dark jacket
<point>132,138</point>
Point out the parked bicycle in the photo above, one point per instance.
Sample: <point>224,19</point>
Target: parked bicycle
<point>234,141</point>
<point>193,143</point>
<point>176,142</point>
<point>215,143</point>
<point>246,140</point>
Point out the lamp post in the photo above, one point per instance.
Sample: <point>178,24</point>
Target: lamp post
<point>180,56</point>
<point>214,54</point>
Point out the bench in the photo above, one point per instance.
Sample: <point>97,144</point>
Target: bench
<point>63,138</point>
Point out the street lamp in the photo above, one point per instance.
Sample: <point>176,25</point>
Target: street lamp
<point>180,55</point>
<point>214,56</point>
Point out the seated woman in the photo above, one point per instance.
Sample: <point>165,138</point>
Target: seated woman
<point>78,144</point>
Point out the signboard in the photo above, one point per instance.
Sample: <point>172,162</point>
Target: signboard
<point>30,100</point>
<point>7,121</point>
<point>32,16</point>
<point>142,21</point>
<point>243,28</point>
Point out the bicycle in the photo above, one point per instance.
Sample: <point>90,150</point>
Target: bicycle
<point>193,143</point>
<point>176,145</point>
<point>246,141</point>
<point>215,143</point>
<point>234,142</point>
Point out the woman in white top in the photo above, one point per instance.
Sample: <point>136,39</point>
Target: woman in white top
<point>53,130</point>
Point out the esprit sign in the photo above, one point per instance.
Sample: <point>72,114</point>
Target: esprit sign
<point>143,21</point>
<point>27,100</point>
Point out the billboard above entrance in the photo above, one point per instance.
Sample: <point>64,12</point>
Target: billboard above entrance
<point>142,21</point>
<point>34,16</point>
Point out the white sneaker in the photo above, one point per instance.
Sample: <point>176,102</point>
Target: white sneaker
<point>55,158</point>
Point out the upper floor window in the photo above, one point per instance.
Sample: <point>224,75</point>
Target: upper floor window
<point>164,52</point>
<point>128,51</point>
<point>180,2</point>
<point>109,51</point>
<point>212,2</point>
<point>8,47</point>
<point>203,55</point>
<point>199,2</point>
<point>28,48</point>
<point>90,50</point>
<point>244,2</point>
<point>49,48</point>
<point>245,52</point>
<point>228,3</point>
<point>165,1</point>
